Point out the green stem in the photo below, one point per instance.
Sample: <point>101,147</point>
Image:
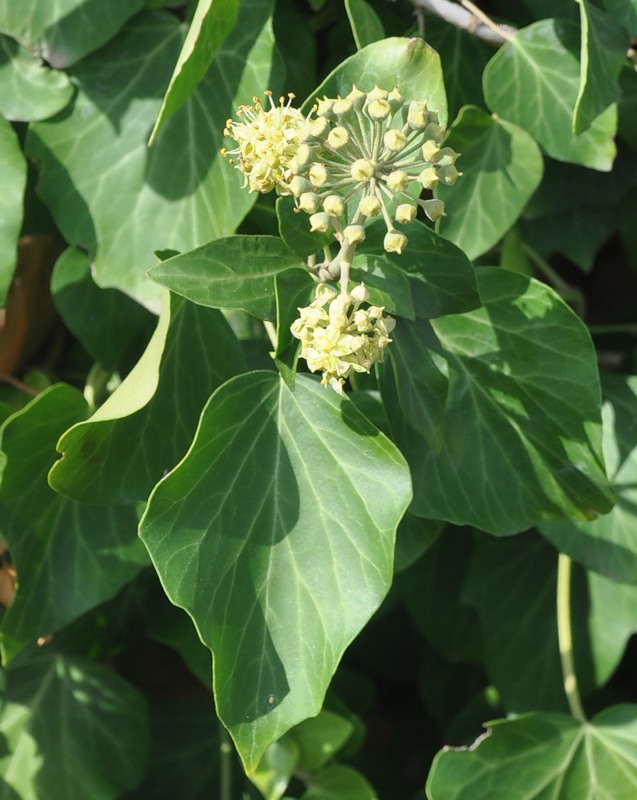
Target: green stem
<point>565,637</point>
<point>225,762</point>
<point>271,331</point>
<point>568,293</point>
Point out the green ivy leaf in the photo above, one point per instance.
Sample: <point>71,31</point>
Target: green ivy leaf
<point>607,544</point>
<point>236,272</point>
<point>117,456</point>
<point>28,89</point>
<point>409,64</point>
<point>603,53</point>
<point>625,11</point>
<point>211,23</point>
<point>62,32</point>
<point>388,285</point>
<point>238,545</point>
<point>339,783</point>
<point>537,756</point>
<point>522,432</point>
<point>519,638</point>
<point>463,58</point>
<point>69,557</point>
<point>179,194</point>
<point>534,80</point>
<point>276,768</point>
<point>441,277</point>
<point>294,289</point>
<point>109,324</point>
<point>70,728</point>
<point>501,166</point>
<point>320,738</point>
<point>294,229</point>
<point>14,177</point>
<point>366,26</point>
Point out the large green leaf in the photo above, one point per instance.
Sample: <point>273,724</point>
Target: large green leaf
<point>276,534</point>
<point>71,728</point>
<point>146,425</point>
<point>110,325</point>
<point>441,276</point>
<point>501,166</point>
<point>534,82</point>
<point>69,556</point>
<point>236,272</point>
<point>603,53</point>
<point>366,26</point>
<point>542,756</point>
<point>63,31</point>
<point>409,64</point>
<point>28,89</point>
<point>339,782</point>
<point>14,177</point>
<point>463,58</point>
<point>211,23</point>
<point>521,439</point>
<point>512,587</point>
<point>180,193</point>
<point>625,11</point>
<point>608,544</point>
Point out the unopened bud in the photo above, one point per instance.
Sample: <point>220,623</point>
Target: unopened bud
<point>356,98</point>
<point>448,174</point>
<point>360,294</point>
<point>325,107</point>
<point>429,178</point>
<point>405,213</point>
<point>362,170</point>
<point>430,151</point>
<point>395,99</point>
<point>417,115</point>
<point>317,175</point>
<point>354,234</point>
<point>394,140</point>
<point>394,242</point>
<point>299,185</point>
<point>398,180</point>
<point>434,209</point>
<point>342,106</point>
<point>320,223</point>
<point>369,206</point>
<point>376,94</point>
<point>309,202</point>
<point>338,137</point>
<point>378,109</point>
<point>334,205</point>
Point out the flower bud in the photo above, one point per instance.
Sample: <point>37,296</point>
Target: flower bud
<point>356,98</point>
<point>338,137</point>
<point>394,140</point>
<point>317,128</point>
<point>342,106</point>
<point>378,110</point>
<point>447,156</point>
<point>395,99</point>
<point>376,94</point>
<point>324,294</point>
<point>317,175</point>
<point>398,180</point>
<point>448,174</point>
<point>369,206</point>
<point>353,234</point>
<point>309,202</point>
<point>430,151</point>
<point>394,242</point>
<point>325,107</point>
<point>299,185</point>
<point>434,131</point>
<point>320,223</point>
<point>429,178</point>
<point>334,205</point>
<point>434,209</point>
<point>417,114</point>
<point>362,170</point>
<point>405,213</point>
<point>360,294</point>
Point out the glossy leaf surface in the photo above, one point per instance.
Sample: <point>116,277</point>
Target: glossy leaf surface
<point>14,176</point>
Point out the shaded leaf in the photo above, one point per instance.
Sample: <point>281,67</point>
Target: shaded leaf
<point>441,277</point>
<point>387,285</point>
<point>236,272</point>
<point>603,52</point>
<point>608,544</point>
<point>414,537</point>
<point>366,26</point>
<point>533,81</point>
<point>276,768</point>
<point>625,11</point>
<point>339,783</point>
<point>63,31</point>
<point>176,195</point>
<point>58,717</point>
<point>522,432</point>
<point>14,178</point>
<point>501,166</point>
<point>295,289</point>
<point>118,454</point>
<point>69,557</point>
<point>211,23</point>
<point>319,738</point>
<point>539,756</point>
<point>28,89</point>
<point>110,325</point>
<point>244,550</point>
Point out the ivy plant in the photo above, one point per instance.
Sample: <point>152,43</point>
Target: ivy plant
<point>318,399</point>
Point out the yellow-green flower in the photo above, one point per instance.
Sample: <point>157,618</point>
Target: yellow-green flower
<point>339,337</point>
<point>267,142</point>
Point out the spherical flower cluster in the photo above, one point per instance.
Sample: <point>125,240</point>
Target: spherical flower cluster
<point>267,143</point>
<point>362,156</point>
<point>339,337</point>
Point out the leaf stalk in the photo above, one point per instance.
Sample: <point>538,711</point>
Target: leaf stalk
<point>565,637</point>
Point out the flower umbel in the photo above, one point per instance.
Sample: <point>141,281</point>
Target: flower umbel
<point>339,337</point>
<point>267,142</point>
